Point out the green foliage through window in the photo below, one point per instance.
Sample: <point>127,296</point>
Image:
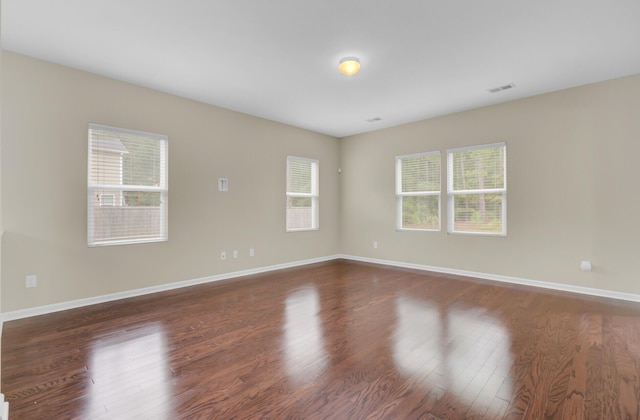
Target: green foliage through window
<point>302,194</point>
<point>418,191</point>
<point>478,191</point>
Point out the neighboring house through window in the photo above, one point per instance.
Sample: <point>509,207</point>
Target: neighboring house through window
<point>127,186</point>
<point>107,199</point>
<point>106,162</point>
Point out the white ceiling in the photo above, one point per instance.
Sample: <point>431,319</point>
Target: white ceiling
<point>278,59</point>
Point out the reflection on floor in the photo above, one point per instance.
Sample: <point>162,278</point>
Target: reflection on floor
<point>336,340</point>
<point>464,352</point>
<point>133,370</point>
<point>305,356</point>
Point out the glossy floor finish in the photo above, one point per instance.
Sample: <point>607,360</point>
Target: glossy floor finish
<point>336,340</point>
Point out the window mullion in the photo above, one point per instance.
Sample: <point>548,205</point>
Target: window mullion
<point>418,193</point>
<point>483,191</point>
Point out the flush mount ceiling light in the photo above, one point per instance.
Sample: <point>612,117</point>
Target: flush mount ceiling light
<point>349,66</point>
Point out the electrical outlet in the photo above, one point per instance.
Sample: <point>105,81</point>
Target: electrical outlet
<point>223,255</point>
<point>32,281</point>
<point>375,244</point>
<point>251,253</point>
<point>235,253</point>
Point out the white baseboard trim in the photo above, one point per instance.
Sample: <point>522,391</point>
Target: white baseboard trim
<point>505,279</point>
<point>63,306</point>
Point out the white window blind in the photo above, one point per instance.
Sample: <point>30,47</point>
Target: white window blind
<point>477,189</point>
<point>302,194</point>
<point>418,191</point>
<point>127,186</point>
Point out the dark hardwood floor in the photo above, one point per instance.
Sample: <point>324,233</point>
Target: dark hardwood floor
<point>336,340</point>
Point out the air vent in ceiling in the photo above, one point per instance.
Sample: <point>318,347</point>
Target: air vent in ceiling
<point>501,88</point>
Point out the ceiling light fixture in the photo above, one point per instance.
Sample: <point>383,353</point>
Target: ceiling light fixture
<point>349,66</point>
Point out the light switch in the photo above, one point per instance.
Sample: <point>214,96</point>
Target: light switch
<point>223,184</point>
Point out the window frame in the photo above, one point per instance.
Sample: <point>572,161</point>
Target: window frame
<point>119,189</point>
<point>452,193</point>
<point>400,194</point>
<point>314,195</point>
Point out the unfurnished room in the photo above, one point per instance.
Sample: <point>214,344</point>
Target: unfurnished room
<point>327,209</point>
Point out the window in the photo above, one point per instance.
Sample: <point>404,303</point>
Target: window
<point>127,186</point>
<point>477,190</point>
<point>107,200</point>
<point>302,194</point>
<point>418,191</point>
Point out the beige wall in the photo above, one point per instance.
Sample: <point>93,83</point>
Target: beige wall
<point>46,110</point>
<point>572,193</point>
<point>573,188</point>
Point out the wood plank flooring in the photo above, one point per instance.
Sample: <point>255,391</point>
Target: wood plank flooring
<point>336,340</point>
